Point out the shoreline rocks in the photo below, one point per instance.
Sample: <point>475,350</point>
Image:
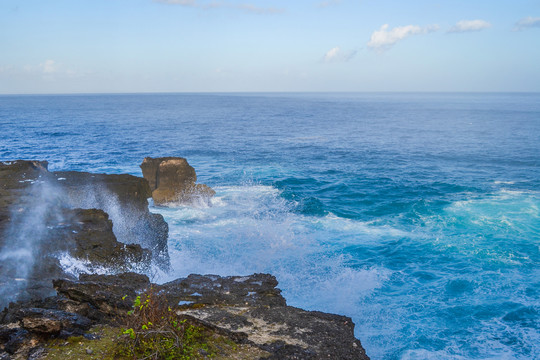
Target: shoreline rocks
<point>172,179</point>
<point>247,310</point>
<point>103,221</point>
<point>124,198</point>
<point>98,220</point>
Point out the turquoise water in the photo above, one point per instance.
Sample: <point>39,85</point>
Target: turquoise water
<point>415,214</point>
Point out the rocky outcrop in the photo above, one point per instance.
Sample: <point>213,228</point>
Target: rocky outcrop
<point>248,310</point>
<point>46,217</point>
<point>124,198</point>
<point>15,179</point>
<point>103,221</point>
<point>172,179</point>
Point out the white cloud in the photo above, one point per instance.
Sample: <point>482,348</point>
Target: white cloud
<point>469,25</point>
<point>385,38</point>
<point>528,22</point>
<point>214,5</point>
<point>338,55</point>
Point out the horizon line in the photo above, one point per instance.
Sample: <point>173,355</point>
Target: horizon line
<point>264,92</point>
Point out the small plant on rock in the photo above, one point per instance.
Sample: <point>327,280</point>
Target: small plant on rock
<point>154,331</point>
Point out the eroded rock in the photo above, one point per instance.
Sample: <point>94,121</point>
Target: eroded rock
<point>246,309</point>
<point>172,179</point>
<point>124,198</point>
<point>41,223</point>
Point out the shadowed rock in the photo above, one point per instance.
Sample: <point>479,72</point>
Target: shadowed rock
<point>41,222</point>
<point>246,309</point>
<point>124,198</point>
<point>172,179</point>
<point>15,179</point>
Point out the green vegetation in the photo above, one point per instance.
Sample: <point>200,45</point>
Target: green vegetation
<point>154,331</point>
<point>79,347</point>
<point>151,330</point>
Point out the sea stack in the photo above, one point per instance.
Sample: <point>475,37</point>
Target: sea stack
<point>172,179</point>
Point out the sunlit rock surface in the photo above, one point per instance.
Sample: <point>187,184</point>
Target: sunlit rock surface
<point>172,180</point>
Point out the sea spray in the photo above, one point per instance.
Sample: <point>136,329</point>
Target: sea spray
<point>123,198</point>
<point>31,217</point>
<point>415,183</point>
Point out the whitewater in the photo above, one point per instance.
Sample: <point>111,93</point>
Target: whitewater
<point>415,214</point>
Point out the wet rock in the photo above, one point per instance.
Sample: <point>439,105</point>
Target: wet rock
<point>107,295</point>
<point>257,289</point>
<point>172,179</point>
<point>15,340</point>
<point>247,310</point>
<point>53,322</point>
<point>251,307</point>
<point>15,179</point>
<point>124,198</point>
<point>41,220</point>
<point>285,331</point>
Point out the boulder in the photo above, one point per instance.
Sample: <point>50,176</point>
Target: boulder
<point>172,179</point>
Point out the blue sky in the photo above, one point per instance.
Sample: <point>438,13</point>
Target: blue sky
<point>88,46</point>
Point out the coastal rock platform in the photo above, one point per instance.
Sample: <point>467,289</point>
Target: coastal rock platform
<point>247,310</point>
<point>103,221</point>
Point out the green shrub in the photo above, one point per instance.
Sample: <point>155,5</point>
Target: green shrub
<point>154,331</point>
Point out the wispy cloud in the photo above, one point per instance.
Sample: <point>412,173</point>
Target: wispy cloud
<point>469,25</point>
<point>337,55</point>
<point>5,69</point>
<point>222,4</point>
<point>385,38</point>
<point>526,23</point>
<point>48,67</point>
<point>48,70</point>
<point>328,3</point>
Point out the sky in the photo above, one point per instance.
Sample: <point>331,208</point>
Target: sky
<point>130,46</point>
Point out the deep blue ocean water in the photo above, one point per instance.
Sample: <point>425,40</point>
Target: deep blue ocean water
<point>415,214</point>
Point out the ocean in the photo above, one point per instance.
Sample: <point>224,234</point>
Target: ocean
<point>416,214</point>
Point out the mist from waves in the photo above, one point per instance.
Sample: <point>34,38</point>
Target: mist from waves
<point>27,231</point>
<point>450,287</point>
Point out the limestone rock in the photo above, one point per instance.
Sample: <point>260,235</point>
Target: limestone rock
<point>172,179</point>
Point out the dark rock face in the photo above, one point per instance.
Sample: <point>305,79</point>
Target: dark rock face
<point>172,179</point>
<point>247,310</point>
<point>124,198</point>
<point>41,218</point>
<point>257,289</point>
<point>15,178</point>
<point>106,296</point>
<point>252,308</point>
